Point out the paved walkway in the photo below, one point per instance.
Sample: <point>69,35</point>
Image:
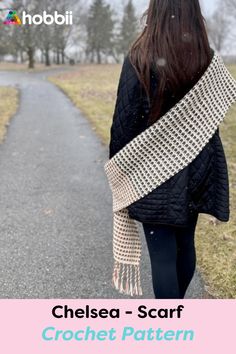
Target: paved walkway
<point>55,203</point>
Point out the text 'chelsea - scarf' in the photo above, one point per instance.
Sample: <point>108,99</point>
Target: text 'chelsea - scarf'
<point>157,154</point>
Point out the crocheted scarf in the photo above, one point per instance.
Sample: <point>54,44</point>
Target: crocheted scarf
<point>157,154</point>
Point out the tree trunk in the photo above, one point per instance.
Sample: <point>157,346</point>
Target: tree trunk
<point>47,58</point>
<point>62,56</point>
<point>31,57</point>
<point>99,59</point>
<point>54,57</point>
<point>58,57</point>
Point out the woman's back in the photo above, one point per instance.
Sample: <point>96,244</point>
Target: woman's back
<point>132,110</point>
<point>190,190</point>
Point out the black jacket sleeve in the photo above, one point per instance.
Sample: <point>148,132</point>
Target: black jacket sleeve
<point>131,109</point>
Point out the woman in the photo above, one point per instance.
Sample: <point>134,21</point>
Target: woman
<point>163,65</point>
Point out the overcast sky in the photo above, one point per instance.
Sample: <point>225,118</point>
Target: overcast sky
<point>208,6</point>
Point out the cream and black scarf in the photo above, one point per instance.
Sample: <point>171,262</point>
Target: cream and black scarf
<point>157,154</point>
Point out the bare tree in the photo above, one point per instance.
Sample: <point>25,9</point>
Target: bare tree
<point>48,39</point>
<point>5,46</point>
<point>54,38</point>
<point>25,37</point>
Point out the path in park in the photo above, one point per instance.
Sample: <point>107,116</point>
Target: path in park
<point>55,203</point>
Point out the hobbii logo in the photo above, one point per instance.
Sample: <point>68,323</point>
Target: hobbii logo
<point>47,19</point>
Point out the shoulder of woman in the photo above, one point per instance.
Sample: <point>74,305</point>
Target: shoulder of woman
<point>127,65</point>
<point>129,78</point>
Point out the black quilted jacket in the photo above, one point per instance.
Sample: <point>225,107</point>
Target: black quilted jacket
<point>201,187</point>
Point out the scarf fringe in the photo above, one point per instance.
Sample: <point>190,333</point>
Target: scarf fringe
<point>126,279</point>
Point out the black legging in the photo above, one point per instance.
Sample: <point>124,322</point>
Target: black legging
<point>173,258</point>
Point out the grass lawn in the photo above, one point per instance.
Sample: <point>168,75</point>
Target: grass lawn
<point>8,107</point>
<point>93,90</point>
<point>24,67</point>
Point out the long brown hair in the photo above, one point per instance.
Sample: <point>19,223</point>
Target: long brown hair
<point>175,46</point>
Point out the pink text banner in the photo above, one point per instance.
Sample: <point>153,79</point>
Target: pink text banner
<point>117,326</point>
